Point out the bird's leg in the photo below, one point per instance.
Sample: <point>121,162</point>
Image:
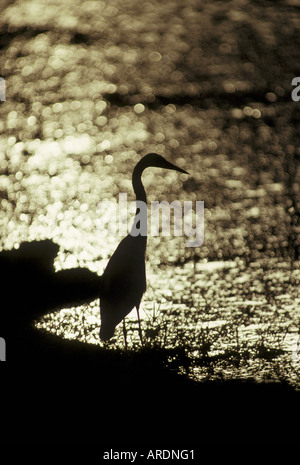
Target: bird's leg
<point>140,329</point>
<point>125,333</point>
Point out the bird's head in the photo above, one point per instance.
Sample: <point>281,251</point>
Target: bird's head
<point>158,161</point>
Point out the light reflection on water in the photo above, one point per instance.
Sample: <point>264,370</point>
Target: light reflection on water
<point>106,82</point>
<point>240,336</point>
<point>234,319</point>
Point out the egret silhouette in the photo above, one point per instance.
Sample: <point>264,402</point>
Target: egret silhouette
<point>124,279</point>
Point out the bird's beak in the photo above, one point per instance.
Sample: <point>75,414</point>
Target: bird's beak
<point>182,171</point>
<point>170,166</point>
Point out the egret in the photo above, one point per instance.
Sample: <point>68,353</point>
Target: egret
<point>124,279</point>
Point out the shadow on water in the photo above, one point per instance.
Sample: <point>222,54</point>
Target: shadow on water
<point>223,411</point>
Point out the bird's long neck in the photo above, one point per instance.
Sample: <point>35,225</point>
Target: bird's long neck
<point>137,183</point>
<point>140,220</point>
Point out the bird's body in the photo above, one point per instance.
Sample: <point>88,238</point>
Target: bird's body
<point>124,279</point>
<point>123,283</point>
